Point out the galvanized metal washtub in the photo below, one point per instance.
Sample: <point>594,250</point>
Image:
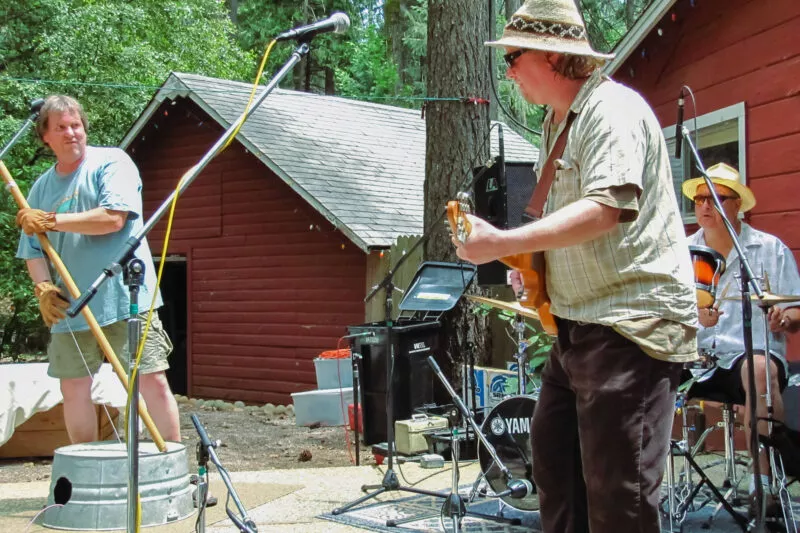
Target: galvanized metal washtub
<point>91,481</point>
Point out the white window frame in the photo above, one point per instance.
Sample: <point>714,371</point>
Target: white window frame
<point>734,112</point>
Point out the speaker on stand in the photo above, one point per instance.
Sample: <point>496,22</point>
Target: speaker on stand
<point>501,195</point>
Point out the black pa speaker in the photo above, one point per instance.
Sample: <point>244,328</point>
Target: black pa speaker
<point>501,198</point>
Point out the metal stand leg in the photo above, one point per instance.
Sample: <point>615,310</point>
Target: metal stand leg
<point>732,480</point>
<point>390,481</point>
<point>454,506</point>
<point>134,277</point>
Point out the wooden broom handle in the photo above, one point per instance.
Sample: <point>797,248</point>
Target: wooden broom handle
<point>11,185</point>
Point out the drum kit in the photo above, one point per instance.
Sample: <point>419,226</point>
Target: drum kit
<point>683,494</point>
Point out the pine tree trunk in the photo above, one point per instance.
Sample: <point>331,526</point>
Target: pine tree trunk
<point>458,65</point>
<point>395,27</point>
<point>511,7</point>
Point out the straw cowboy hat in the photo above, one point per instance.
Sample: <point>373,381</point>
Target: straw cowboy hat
<point>725,175</point>
<point>550,26</point>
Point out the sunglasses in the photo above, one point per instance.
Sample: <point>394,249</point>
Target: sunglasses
<point>700,199</point>
<point>511,57</point>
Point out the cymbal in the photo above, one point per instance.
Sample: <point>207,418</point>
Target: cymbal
<point>514,307</point>
<point>769,298</point>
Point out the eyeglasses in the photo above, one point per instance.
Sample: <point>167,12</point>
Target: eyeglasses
<point>511,57</point>
<point>700,199</point>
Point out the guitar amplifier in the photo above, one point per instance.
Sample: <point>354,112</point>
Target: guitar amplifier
<point>501,200</point>
<point>401,376</point>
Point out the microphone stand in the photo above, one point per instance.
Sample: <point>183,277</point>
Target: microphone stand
<point>125,258</point>
<point>36,106</point>
<point>126,254</point>
<point>205,452</point>
<point>747,280</point>
<point>134,278</point>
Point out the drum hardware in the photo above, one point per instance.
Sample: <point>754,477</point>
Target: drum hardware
<point>516,488</point>
<point>205,452</point>
<point>681,495</point>
<point>521,355</point>
<point>768,299</point>
<point>708,265</point>
<point>779,482</point>
<point>514,307</point>
<point>454,506</point>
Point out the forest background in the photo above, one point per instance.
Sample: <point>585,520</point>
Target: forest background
<point>112,55</point>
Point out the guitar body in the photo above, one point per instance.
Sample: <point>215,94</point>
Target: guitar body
<point>534,294</point>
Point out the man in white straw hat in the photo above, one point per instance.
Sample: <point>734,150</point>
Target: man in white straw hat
<point>618,275</point>
<point>721,331</point>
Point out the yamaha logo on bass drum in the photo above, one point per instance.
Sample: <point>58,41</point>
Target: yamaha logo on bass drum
<point>513,425</point>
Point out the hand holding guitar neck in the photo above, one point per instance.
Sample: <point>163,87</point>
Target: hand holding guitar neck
<point>534,294</point>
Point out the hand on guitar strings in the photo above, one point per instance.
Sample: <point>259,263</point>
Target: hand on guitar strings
<point>482,245</point>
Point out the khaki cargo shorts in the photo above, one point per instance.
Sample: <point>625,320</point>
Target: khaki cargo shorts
<point>66,362</point>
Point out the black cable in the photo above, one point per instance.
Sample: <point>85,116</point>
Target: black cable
<point>492,81</point>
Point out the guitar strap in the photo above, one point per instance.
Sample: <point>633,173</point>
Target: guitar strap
<point>535,207</point>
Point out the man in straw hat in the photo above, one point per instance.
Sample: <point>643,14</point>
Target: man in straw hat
<point>722,324</point>
<point>618,276</point>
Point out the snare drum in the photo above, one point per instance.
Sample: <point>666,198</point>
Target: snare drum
<point>708,265</point>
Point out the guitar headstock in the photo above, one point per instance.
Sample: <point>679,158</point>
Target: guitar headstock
<point>456,215</point>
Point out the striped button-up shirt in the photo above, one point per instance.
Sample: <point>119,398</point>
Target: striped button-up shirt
<point>640,268</point>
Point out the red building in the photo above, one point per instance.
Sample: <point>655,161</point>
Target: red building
<point>741,59</point>
<point>275,244</point>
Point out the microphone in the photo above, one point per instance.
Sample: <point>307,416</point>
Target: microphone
<point>337,23</point>
<point>679,127</point>
<point>519,488</point>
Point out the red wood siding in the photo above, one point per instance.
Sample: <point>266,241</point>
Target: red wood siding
<point>731,51</point>
<point>271,282</point>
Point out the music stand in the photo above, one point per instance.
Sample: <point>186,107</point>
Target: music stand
<point>435,289</point>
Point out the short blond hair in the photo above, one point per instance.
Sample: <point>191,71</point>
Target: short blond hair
<point>58,103</point>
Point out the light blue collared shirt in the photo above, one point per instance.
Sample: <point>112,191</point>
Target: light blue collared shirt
<point>767,255</point>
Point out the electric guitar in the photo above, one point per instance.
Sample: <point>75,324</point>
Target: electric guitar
<point>534,294</point>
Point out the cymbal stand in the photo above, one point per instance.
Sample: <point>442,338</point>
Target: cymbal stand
<point>521,355</point>
<point>747,280</point>
<point>779,482</point>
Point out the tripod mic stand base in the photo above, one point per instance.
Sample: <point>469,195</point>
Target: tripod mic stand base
<point>389,483</point>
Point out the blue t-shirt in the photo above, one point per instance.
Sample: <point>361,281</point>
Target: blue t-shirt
<point>107,178</point>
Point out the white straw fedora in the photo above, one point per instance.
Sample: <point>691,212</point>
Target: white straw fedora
<point>550,26</point>
<point>725,175</point>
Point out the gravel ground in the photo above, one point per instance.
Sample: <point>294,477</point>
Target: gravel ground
<point>253,438</point>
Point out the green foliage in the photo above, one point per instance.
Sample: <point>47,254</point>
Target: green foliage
<point>79,46</point>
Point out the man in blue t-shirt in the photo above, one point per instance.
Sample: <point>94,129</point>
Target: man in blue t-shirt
<point>89,203</point>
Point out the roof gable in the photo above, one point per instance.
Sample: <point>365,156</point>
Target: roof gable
<point>361,165</point>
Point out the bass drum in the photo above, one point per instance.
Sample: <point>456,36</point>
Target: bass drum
<point>508,430</point>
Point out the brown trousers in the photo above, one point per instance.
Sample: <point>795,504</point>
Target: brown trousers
<point>600,433</point>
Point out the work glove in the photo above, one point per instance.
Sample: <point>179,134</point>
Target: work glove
<point>35,221</point>
<point>51,303</point>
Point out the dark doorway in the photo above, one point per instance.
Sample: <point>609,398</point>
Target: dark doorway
<point>173,315</point>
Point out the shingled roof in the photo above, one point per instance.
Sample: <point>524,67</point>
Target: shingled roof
<point>360,164</point>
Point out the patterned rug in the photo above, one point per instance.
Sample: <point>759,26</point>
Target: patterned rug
<point>425,514</point>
